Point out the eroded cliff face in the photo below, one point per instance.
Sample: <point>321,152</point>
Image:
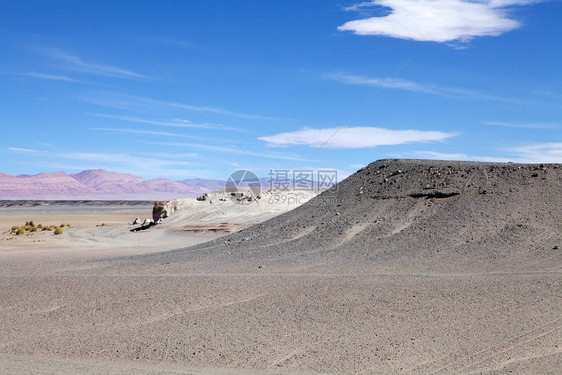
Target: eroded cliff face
<point>158,211</point>
<point>239,208</point>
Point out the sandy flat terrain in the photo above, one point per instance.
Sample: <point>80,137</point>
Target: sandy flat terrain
<point>86,238</point>
<point>407,267</point>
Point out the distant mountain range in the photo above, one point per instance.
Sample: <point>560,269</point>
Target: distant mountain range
<point>101,184</point>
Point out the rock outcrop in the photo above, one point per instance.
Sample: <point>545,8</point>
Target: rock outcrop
<point>159,211</point>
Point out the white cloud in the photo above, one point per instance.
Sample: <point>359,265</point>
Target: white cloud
<point>237,151</point>
<point>396,83</point>
<point>534,125</point>
<point>176,124</point>
<point>457,156</point>
<point>17,149</point>
<point>150,132</point>
<point>53,77</point>
<point>131,102</point>
<point>421,87</point>
<point>75,63</point>
<point>535,153</point>
<point>436,20</point>
<point>506,3</point>
<point>358,137</point>
<point>122,158</point>
<point>538,153</point>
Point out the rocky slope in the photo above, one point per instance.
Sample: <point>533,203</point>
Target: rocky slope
<point>422,216</point>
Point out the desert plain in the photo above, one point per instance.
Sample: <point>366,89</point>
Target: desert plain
<point>407,266</point>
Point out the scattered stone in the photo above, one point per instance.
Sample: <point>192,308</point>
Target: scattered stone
<point>261,266</point>
<point>136,221</point>
<point>555,248</point>
<point>202,198</point>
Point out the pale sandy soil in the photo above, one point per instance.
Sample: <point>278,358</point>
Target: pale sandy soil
<point>442,268</point>
<point>85,238</point>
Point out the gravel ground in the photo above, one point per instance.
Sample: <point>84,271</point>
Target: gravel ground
<point>407,266</point>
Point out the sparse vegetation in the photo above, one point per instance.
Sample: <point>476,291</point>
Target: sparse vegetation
<point>102,225</point>
<point>31,227</point>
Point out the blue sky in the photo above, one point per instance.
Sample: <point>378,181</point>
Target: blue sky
<point>82,87</point>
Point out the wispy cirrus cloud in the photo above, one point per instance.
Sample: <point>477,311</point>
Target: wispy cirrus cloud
<point>54,77</point>
<point>538,153</point>
<point>150,132</point>
<point>132,102</point>
<point>436,21</point>
<point>421,87</point>
<point>233,150</point>
<point>507,3</point>
<point>18,149</point>
<point>533,125</point>
<point>456,156</point>
<point>125,159</point>
<point>175,124</point>
<point>532,153</point>
<point>357,137</point>
<point>75,63</point>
